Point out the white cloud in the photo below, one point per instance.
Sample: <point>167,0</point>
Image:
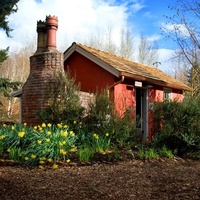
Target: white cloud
<point>178,28</point>
<point>165,56</point>
<point>137,6</point>
<point>78,19</point>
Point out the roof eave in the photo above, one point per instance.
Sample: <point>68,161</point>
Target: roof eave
<point>156,82</point>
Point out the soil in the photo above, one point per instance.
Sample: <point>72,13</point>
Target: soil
<point>129,179</point>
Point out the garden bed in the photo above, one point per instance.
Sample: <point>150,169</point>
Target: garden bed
<point>129,179</point>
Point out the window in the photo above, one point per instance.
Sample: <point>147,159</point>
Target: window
<point>167,93</point>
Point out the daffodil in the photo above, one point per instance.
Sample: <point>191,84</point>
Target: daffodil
<point>26,158</point>
<point>39,141</point>
<point>63,152</point>
<point>41,162</point>
<point>72,133</point>
<point>55,166</point>
<point>64,133</point>
<point>73,149</point>
<point>59,125</point>
<point>13,127</point>
<point>41,167</point>
<point>43,158</point>
<point>107,134</point>
<point>35,127</point>
<point>95,136</point>
<point>33,156</point>
<point>74,122</point>
<point>60,143</point>
<point>4,125</point>
<point>47,140</point>
<point>25,124</point>
<point>64,142</point>
<point>43,125</point>
<point>49,133</point>
<point>65,126</point>
<point>68,161</point>
<point>2,137</point>
<point>21,134</point>
<point>49,125</point>
<point>50,160</point>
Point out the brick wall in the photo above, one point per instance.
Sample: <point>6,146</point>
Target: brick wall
<point>43,66</point>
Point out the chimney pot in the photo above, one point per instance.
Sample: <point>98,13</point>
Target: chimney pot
<point>51,26</point>
<point>41,40</point>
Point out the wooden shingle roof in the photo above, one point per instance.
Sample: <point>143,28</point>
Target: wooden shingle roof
<point>120,66</point>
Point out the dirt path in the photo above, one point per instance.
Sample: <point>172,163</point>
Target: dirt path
<point>135,179</point>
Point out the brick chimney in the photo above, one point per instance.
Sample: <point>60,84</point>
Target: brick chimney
<point>43,65</point>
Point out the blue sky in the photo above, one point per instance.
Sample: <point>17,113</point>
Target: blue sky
<point>79,19</point>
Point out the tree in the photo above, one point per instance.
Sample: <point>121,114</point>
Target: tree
<point>126,44</point>
<point>194,80</point>
<point>104,40</point>
<point>7,7</point>
<point>183,28</point>
<point>148,51</point>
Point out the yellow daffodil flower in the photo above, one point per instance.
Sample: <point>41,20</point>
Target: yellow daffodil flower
<point>63,152</point>
<point>59,125</point>
<point>41,167</point>
<point>72,133</point>
<point>2,137</point>
<point>26,158</point>
<point>33,156</point>
<point>39,141</point>
<point>49,125</point>
<point>64,134</point>
<point>47,140</point>
<point>43,125</point>
<point>50,160</point>
<point>21,134</point>
<point>55,166</point>
<point>65,126</point>
<point>49,133</point>
<point>95,136</point>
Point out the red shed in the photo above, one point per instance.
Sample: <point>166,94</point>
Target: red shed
<point>133,85</point>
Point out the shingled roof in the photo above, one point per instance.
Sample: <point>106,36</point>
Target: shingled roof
<point>120,66</point>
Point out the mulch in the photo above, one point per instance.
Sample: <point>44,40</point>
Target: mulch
<point>130,179</point>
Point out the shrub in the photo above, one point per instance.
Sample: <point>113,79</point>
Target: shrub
<point>177,126</point>
<point>64,103</point>
<point>102,118</point>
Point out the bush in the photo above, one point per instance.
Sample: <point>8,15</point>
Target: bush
<point>177,126</point>
<point>64,103</point>
<point>102,118</point>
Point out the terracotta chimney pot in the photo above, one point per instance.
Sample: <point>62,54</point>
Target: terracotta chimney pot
<point>51,26</point>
